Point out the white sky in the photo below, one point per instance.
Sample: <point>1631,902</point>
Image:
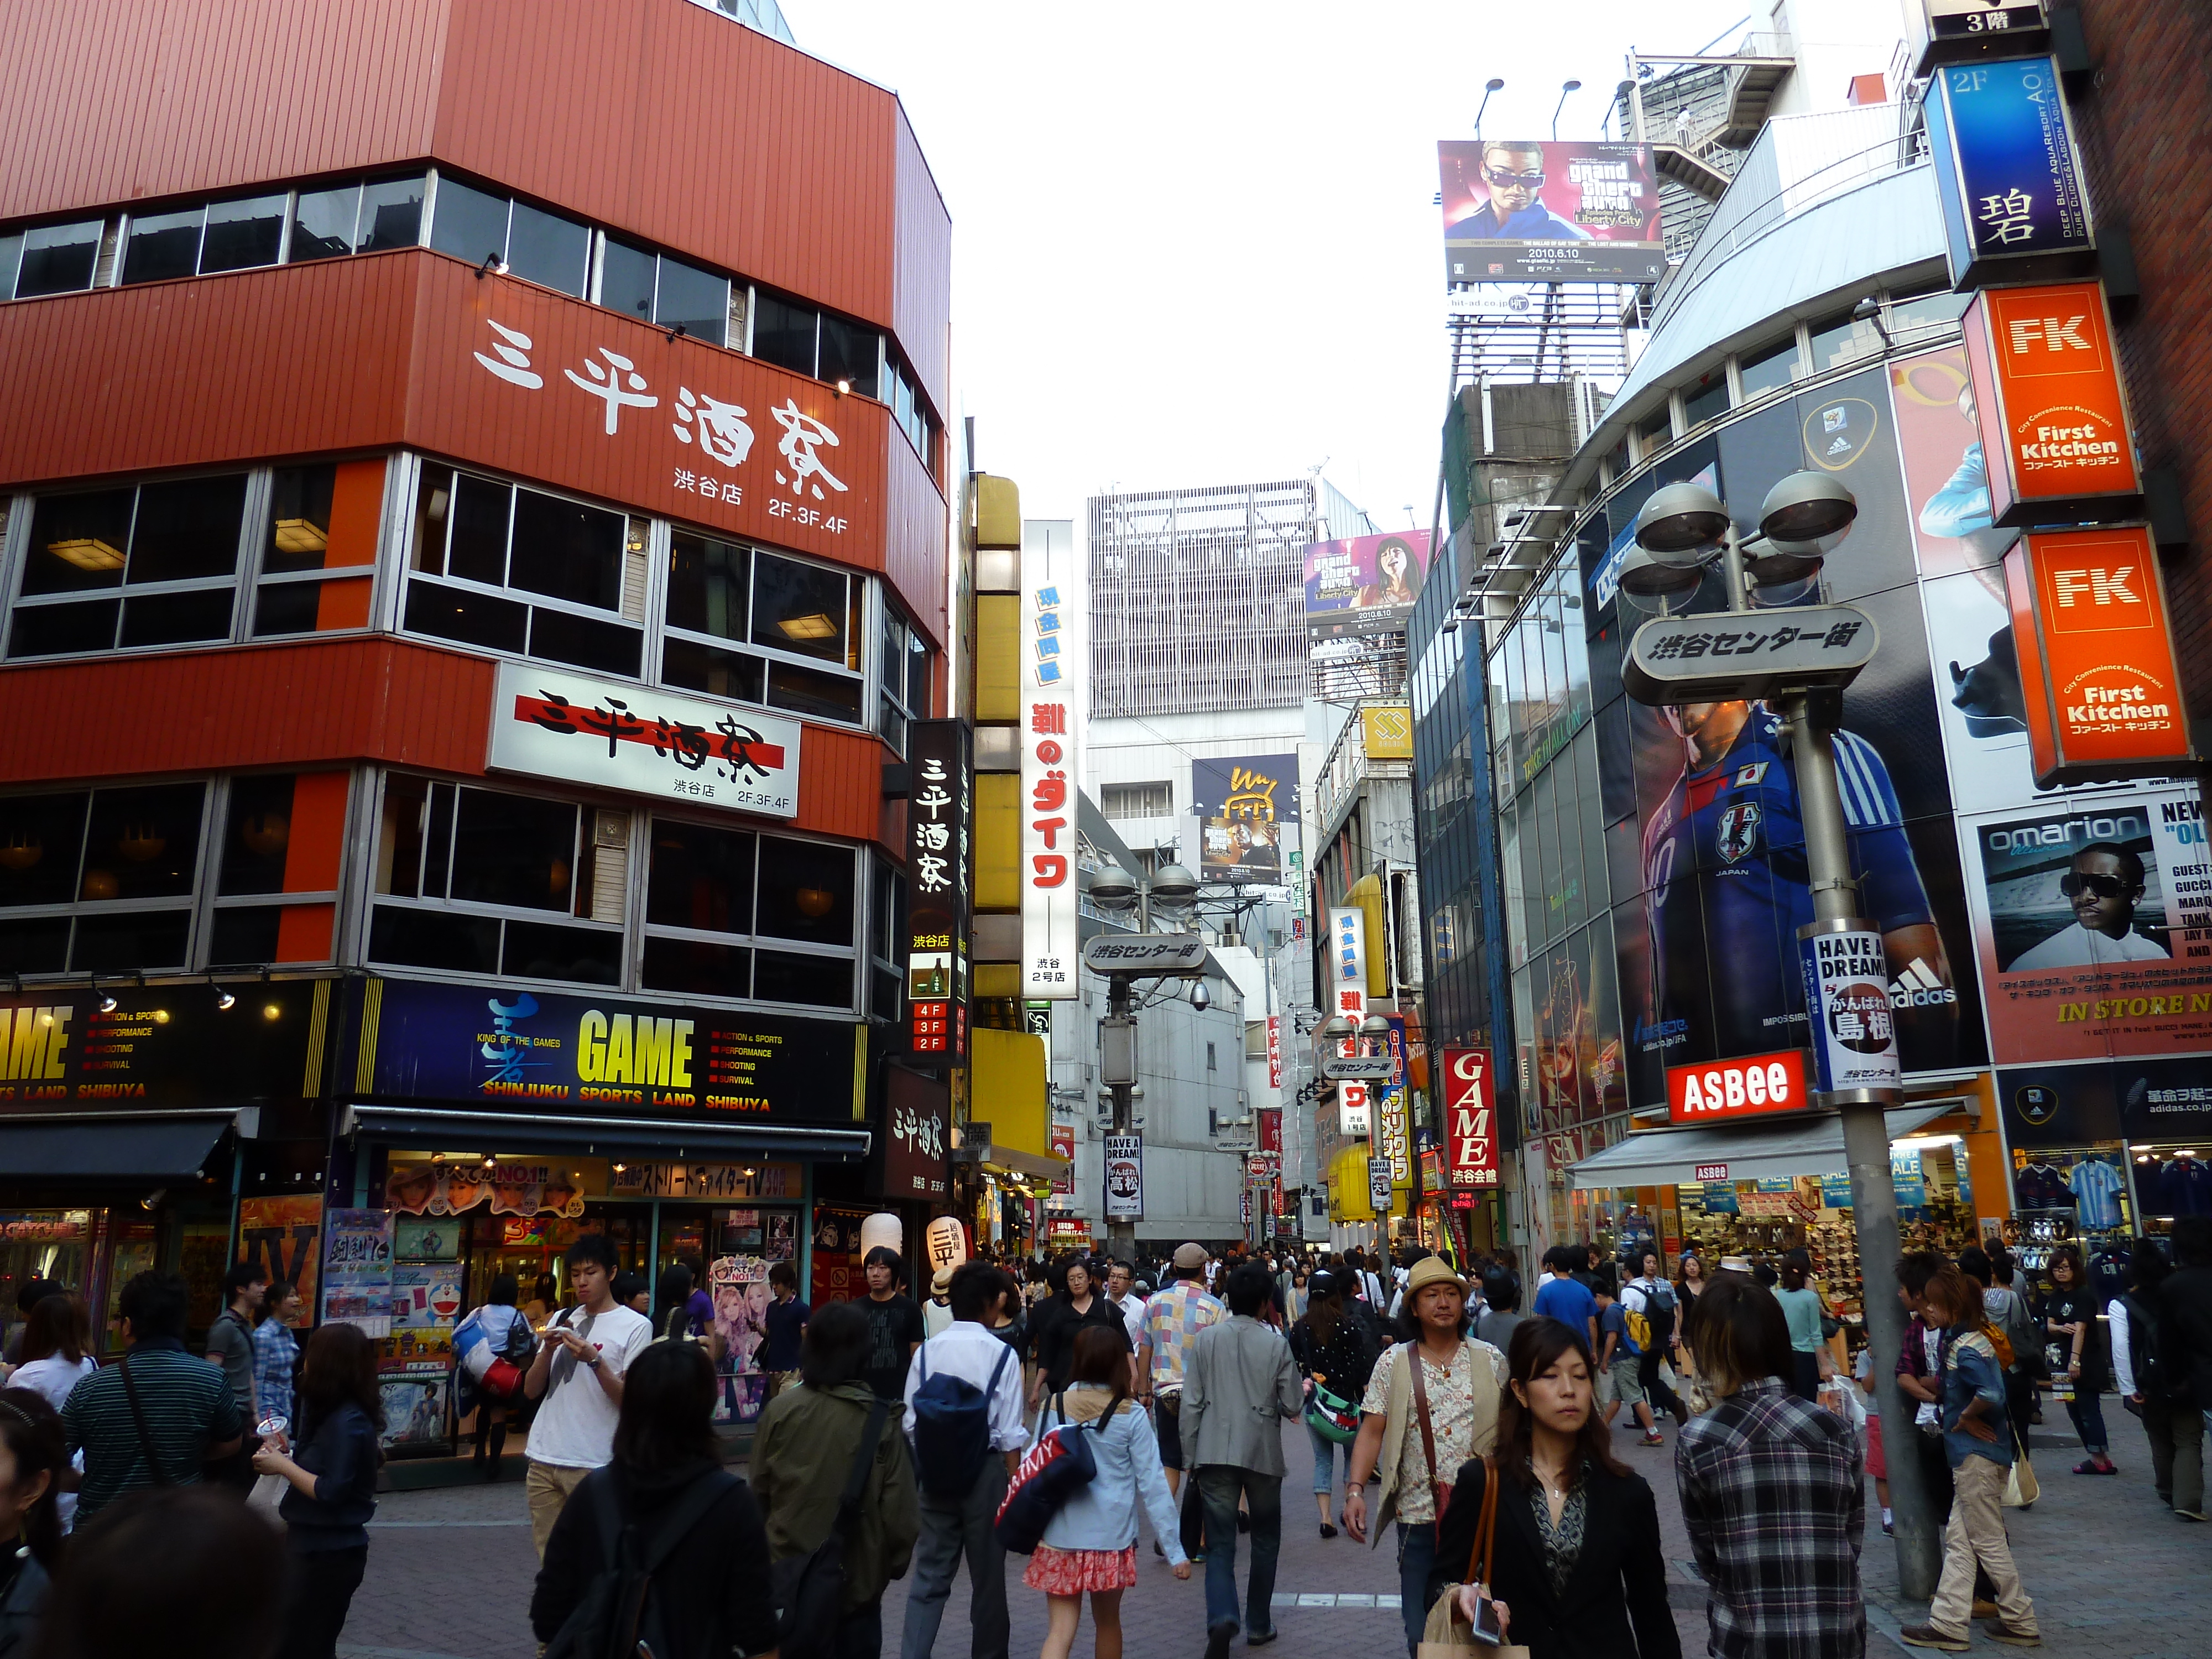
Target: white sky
<point>1198,243</point>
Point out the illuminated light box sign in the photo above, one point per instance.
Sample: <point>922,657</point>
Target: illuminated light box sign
<point>940,817</point>
<point>2007,173</point>
<point>1753,1085</point>
<point>1470,1119</point>
<point>2048,399</point>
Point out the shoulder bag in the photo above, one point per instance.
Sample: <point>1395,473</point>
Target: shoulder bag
<point>1439,1489</point>
<point>1446,1635</point>
<point>810,1589</point>
<point>138,1416</point>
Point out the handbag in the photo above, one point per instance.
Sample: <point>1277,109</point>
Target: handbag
<point>2021,1487</point>
<point>1333,1418</point>
<point>1446,1635</point>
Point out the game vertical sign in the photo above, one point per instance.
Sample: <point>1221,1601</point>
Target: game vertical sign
<point>940,813</point>
<point>1052,682</point>
<point>1470,1119</point>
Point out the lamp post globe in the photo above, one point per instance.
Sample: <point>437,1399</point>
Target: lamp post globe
<point>1375,1025</point>
<point>1174,886</point>
<point>1336,1028</point>
<point>1680,524</point>
<point>1807,507</point>
<point>1113,888</point>
<point>1647,579</point>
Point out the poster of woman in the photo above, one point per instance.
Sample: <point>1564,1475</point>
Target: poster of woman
<point>738,1284</point>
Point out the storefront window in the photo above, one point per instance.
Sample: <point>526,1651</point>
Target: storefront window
<point>732,913</point>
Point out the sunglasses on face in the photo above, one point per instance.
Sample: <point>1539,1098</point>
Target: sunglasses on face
<point>1507,180</point>
<point>2073,885</point>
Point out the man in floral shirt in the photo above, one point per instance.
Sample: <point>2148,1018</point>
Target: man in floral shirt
<point>1173,1320</point>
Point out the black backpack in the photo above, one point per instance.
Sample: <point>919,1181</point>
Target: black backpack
<point>810,1589</point>
<point>618,1617</point>
<point>952,1428</point>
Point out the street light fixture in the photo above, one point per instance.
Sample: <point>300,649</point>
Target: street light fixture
<point>1495,83</point>
<point>1566,88</point>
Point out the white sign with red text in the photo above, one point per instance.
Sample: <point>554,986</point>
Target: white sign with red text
<point>1052,678</point>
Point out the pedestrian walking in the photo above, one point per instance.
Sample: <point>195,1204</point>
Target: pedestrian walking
<point>710,1595</point>
<point>508,1335</point>
<point>1620,1366</point>
<point>157,1416</point>
<point>786,1319</point>
<point>805,1448</point>
<point>1090,1546</point>
<point>1810,1361</point>
<point>33,1292</point>
<point>1564,1296</point>
<point>1650,1294</point>
<point>1431,1405</point>
<point>963,1422</point>
<point>1501,1309</point>
<point>686,1313</point>
<point>33,1460</point>
<point>936,1312</point>
<point>1335,1357</point>
<point>1173,1319</point>
<point>2076,1351</point>
<point>1772,1491</point>
<point>230,1345</point>
<point>1240,1383</point>
<point>1078,1303</point>
<point>276,1353</point>
<point>333,1487</point>
<point>1918,1375</point>
<point>1977,1440</point>
<point>576,1377</point>
<point>2008,1314</point>
<point>2184,1307</point>
<point>2149,1387</point>
<point>894,1324</point>
<point>1575,1562</point>
<point>56,1339</point>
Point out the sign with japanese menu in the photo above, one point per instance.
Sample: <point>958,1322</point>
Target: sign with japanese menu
<point>554,723</point>
<point>1053,697</point>
<point>940,812</point>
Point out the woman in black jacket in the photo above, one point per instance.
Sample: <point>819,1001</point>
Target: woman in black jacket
<point>1054,1325</point>
<point>333,1481</point>
<point>1332,1352</point>
<point>1575,1568</point>
<point>711,1598</point>
<point>2077,1346</point>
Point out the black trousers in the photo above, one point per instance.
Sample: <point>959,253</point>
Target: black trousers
<point>322,1583</point>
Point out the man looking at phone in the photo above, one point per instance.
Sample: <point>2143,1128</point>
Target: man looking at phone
<point>578,1371</point>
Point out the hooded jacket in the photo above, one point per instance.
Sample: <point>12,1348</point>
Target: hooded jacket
<point>802,1454</point>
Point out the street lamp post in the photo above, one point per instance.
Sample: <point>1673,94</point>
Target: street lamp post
<point>1681,530</point>
<point>1115,889</point>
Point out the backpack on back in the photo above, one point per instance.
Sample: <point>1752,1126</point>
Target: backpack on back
<point>618,1617</point>
<point>1635,1331</point>
<point>810,1589</point>
<point>952,1428</point>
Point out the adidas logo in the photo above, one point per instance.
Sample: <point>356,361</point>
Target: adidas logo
<point>1918,987</point>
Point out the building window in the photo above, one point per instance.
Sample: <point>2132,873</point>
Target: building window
<point>1775,367</point>
<point>526,573</point>
<point>1136,800</point>
<point>276,869</point>
<point>100,880</point>
<point>904,673</point>
<point>886,939</point>
<point>538,247</point>
<point>798,625</point>
<point>356,218</point>
<point>481,881</point>
<point>1925,314</point>
<point>1707,399</point>
<point>732,912</point>
<point>49,259</point>
<point>320,549</point>
<point>1653,432</point>
<point>162,559</point>
<point>202,240</point>
<point>1842,339</point>
<point>1209,1057</point>
<point>664,291</point>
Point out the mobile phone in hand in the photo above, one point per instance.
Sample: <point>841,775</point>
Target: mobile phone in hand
<point>1485,1628</point>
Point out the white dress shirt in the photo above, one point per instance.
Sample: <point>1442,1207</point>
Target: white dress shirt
<point>970,1351</point>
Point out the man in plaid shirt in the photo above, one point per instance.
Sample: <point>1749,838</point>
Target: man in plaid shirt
<point>1173,1320</point>
<point>1771,1491</point>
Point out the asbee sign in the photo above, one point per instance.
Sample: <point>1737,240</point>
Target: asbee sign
<point>2054,421</point>
<point>1752,1085</point>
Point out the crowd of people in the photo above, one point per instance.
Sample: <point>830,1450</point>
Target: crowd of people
<point>1476,1436</point>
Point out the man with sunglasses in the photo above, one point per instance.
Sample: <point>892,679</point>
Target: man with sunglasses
<point>2103,887</point>
<point>1513,174</point>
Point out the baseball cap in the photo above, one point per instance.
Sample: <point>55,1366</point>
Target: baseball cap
<point>1190,1255</point>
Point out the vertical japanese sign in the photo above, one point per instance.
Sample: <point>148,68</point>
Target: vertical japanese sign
<point>1125,1177</point>
<point>1394,1136</point>
<point>357,1269</point>
<point>1348,962</point>
<point>1275,1051</point>
<point>1053,673</point>
<point>2047,393</point>
<point>1063,1145</point>
<point>1378,1183</point>
<point>1470,1119</point>
<point>1847,997</point>
<point>2006,171</point>
<point>2096,668</point>
<point>1355,1111</point>
<point>940,813</point>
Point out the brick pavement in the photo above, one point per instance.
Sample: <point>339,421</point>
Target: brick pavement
<point>2114,1576</point>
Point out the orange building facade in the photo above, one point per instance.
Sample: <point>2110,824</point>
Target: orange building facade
<point>476,534</point>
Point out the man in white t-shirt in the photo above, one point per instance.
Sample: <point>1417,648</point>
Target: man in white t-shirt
<point>578,1373</point>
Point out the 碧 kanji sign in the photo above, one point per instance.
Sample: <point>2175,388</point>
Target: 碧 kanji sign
<point>1053,700</point>
<point>940,812</point>
<point>1704,658</point>
<point>553,723</point>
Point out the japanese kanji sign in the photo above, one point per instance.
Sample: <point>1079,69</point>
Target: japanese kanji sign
<point>2006,172</point>
<point>1052,701</point>
<point>1470,1119</point>
<point>1847,995</point>
<point>916,1134</point>
<point>940,813</point>
<point>1681,660</point>
<point>553,723</point>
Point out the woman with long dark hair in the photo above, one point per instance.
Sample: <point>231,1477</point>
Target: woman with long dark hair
<point>712,1595</point>
<point>56,1350</point>
<point>2076,1350</point>
<point>1335,1359</point>
<point>333,1485</point>
<point>33,1457</point>
<point>1802,1309</point>
<point>1576,1566</point>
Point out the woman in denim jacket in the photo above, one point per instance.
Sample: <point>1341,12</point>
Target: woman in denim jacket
<point>1091,1544</point>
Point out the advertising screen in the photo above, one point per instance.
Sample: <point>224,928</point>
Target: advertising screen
<point>1536,210</point>
<point>1365,585</point>
<point>1244,807</point>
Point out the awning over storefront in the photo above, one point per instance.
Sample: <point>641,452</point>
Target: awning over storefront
<point>431,1127</point>
<point>133,1148</point>
<point>1011,1160</point>
<point>1753,1152</point>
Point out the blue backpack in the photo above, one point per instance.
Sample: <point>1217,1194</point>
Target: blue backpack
<point>952,1428</point>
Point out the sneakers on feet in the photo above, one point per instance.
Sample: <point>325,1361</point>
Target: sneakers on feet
<point>1997,1630</point>
<point>1927,1636</point>
<point>1655,1438</point>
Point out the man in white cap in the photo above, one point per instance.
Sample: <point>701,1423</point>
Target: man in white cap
<point>1173,1319</point>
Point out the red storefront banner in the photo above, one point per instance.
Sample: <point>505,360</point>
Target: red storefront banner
<point>1752,1085</point>
<point>1470,1119</point>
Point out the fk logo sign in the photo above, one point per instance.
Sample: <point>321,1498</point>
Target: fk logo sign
<point>2103,586</point>
<point>2053,333</point>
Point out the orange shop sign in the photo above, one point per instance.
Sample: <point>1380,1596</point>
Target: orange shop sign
<point>2054,421</point>
<point>1752,1085</point>
<point>2096,657</point>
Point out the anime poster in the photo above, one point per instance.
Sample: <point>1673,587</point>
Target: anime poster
<point>425,1295</point>
<point>512,1188</point>
<point>357,1268</point>
<point>738,1285</point>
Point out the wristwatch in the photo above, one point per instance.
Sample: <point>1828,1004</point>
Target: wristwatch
<point>596,1361</point>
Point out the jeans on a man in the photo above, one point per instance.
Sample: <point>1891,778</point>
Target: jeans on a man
<point>1219,1485</point>
<point>949,1529</point>
<point>1417,1555</point>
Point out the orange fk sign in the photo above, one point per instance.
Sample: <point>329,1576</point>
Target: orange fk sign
<point>2096,657</point>
<point>1470,1119</point>
<point>2047,394</point>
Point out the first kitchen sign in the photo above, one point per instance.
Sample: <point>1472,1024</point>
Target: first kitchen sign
<point>550,723</point>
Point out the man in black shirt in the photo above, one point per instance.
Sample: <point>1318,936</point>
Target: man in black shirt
<point>895,1327</point>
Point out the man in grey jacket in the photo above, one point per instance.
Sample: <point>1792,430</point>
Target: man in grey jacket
<point>1239,1386</point>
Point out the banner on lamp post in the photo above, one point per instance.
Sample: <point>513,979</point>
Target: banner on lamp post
<point>1125,1177</point>
<point>1854,1029</point>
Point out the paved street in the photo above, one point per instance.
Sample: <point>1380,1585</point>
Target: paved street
<point>2113,1575</point>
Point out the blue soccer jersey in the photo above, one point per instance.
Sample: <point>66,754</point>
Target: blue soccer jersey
<point>1724,866</point>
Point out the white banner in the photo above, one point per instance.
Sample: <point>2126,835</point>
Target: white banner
<point>1054,672</point>
<point>1125,1177</point>
<point>1354,1116</point>
<point>1853,1025</point>
<point>550,722</point>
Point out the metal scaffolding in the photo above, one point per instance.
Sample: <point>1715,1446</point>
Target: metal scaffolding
<point>1563,329</point>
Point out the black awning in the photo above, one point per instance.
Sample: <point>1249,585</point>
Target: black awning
<point>497,1132</point>
<point>110,1149</point>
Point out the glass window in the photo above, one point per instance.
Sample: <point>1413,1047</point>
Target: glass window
<point>162,246</point>
<point>700,906</point>
<point>59,259</point>
<point>697,667</point>
<point>468,223</point>
<point>79,541</point>
<point>707,584</point>
<point>11,257</point>
<point>186,529</point>
<point>143,843</point>
<point>323,224</point>
<point>1840,339</point>
<point>243,234</point>
<point>626,275</point>
<point>391,216</point>
<point>158,536</point>
<point>317,532</point>
<point>810,691</point>
<point>1775,367</point>
<point>1705,399</point>
<point>701,878</point>
<point>798,607</point>
<point>850,354</point>
<point>567,550</point>
<point>784,333</point>
<point>697,300</point>
<point>514,850</point>
<point>466,618</point>
<point>1655,431</point>
<point>563,636</point>
<point>1927,312</point>
<point>805,891</point>
<point>300,518</point>
<point>41,837</point>
<point>544,248</point>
